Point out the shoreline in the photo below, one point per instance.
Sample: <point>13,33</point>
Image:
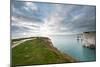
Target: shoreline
<point>63,58</point>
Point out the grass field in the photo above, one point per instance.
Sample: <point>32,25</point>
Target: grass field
<point>39,50</point>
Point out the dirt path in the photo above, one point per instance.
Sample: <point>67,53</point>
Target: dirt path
<point>20,42</point>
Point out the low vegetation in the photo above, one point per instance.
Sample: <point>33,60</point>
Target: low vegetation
<point>39,50</point>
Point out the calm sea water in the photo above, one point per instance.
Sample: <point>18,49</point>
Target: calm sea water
<point>70,45</point>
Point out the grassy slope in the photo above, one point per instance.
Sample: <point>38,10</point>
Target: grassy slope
<point>37,51</point>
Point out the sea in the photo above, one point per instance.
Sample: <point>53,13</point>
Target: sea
<point>73,46</point>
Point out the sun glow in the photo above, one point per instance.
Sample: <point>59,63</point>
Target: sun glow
<point>44,29</point>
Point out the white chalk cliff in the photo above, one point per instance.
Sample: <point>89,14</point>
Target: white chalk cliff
<point>89,39</point>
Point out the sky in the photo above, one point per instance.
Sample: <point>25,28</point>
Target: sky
<point>46,19</point>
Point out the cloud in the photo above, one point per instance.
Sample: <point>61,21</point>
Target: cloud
<point>75,18</point>
<point>30,7</point>
<point>39,19</point>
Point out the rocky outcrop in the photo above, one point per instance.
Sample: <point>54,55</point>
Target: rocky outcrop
<point>89,39</point>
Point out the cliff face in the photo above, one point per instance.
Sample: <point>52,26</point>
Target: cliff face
<point>89,39</point>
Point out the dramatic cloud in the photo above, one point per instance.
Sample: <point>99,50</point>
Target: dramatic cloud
<point>42,19</point>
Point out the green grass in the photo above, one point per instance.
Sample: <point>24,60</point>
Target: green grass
<point>38,51</point>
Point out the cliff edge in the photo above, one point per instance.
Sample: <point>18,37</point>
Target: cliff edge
<point>39,50</point>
